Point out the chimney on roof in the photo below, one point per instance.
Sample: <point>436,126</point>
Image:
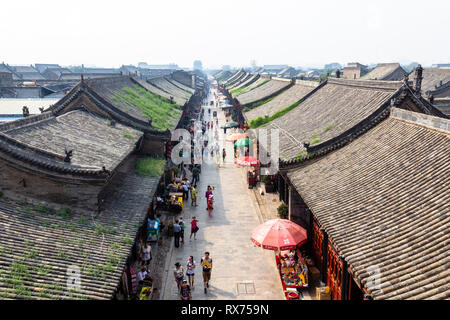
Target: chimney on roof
<point>405,78</point>
<point>417,85</point>
<point>68,157</point>
<point>82,78</point>
<point>25,111</point>
<point>338,73</point>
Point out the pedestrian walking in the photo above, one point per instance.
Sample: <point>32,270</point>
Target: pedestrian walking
<point>194,228</point>
<point>182,226</point>
<point>190,271</point>
<point>194,195</point>
<point>178,273</point>
<point>218,159</point>
<point>185,291</point>
<point>206,263</point>
<point>210,204</point>
<point>147,255</point>
<point>185,187</point>
<point>224,154</point>
<point>207,194</point>
<point>176,233</point>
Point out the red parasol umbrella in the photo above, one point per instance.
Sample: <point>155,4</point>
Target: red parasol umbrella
<point>236,136</point>
<point>279,234</point>
<point>247,161</point>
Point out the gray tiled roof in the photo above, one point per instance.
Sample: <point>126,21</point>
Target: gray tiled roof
<point>283,100</point>
<point>170,88</point>
<point>41,246</point>
<point>384,71</point>
<point>383,200</point>
<point>432,78</point>
<point>334,108</point>
<point>262,91</point>
<point>94,143</point>
<point>250,80</point>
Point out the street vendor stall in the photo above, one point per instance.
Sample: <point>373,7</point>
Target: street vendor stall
<point>285,237</point>
<point>293,272</point>
<point>152,230</point>
<point>176,202</point>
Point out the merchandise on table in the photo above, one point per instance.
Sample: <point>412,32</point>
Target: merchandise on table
<point>293,274</point>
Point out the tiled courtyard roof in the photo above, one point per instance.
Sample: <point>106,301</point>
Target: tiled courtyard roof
<point>283,100</point>
<point>384,71</point>
<point>234,77</point>
<point>116,96</point>
<point>330,111</point>
<point>432,78</point>
<point>237,80</point>
<point>170,88</point>
<point>182,86</point>
<point>223,75</point>
<point>384,201</point>
<point>248,81</point>
<point>257,82</point>
<point>263,91</point>
<point>241,81</point>
<point>153,89</point>
<point>38,246</point>
<point>95,144</point>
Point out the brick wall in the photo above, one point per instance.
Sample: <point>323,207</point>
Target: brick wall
<point>52,192</point>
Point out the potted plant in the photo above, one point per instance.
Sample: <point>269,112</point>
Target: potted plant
<point>283,211</point>
<point>268,184</point>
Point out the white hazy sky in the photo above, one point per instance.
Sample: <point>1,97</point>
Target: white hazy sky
<point>295,32</point>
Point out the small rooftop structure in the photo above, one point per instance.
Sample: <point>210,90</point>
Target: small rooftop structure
<point>385,71</point>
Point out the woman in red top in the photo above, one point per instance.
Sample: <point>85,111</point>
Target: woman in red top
<point>194,228</point>
<point>210,204</point>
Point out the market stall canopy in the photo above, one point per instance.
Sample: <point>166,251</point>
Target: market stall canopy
<point>247,161</point>
<point>244,142</point>
<point>279,234</point>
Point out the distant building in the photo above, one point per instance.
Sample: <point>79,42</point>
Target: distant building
<point>354,70</point>
<point>288,72</point>
<point>441,65</point>
<point>226,68</point>
<point>273,69</point>
<point>308,75</point>
<point>332,66</point>
<point>386,71</point>
<point>41,67</point>
<point>6,79</point>
<point>54,73</point>
<point>198,65</point>
<point>434,86</point>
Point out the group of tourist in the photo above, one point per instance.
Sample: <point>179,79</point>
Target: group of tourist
<point>179,274</point>
<point>178,230</point>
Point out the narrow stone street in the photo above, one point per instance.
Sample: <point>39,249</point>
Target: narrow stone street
<point>240,269</point>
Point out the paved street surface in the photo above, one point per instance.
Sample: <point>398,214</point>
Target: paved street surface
<point>240,269</point>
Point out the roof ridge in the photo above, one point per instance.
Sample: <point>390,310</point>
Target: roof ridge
<point>369,84</point>
<point>423,120</point>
